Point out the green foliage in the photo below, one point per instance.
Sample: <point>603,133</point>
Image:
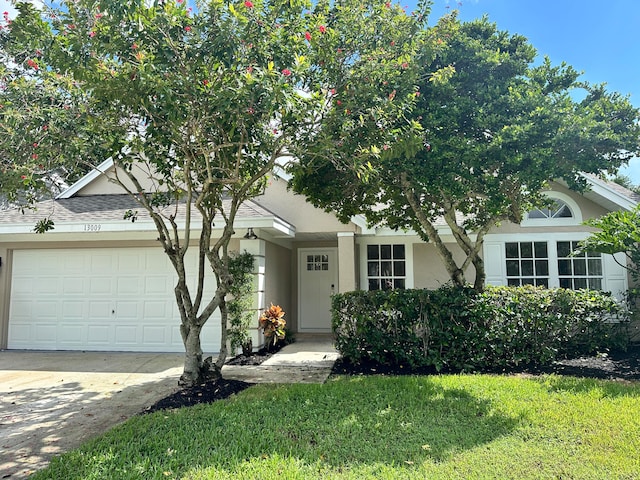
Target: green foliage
<point>380,427</point>
<point>619,232</point>
<point>457,328</point>
<point>240,306</point>
<point>493,130</point>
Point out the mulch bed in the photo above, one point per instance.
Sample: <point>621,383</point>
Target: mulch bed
<point>622,366</point>
<point>611,366</point>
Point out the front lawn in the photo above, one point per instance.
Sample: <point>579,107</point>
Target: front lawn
<point>436,427</point>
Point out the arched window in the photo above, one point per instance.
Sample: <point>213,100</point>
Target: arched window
<point>562,211</point>
<point>558,209</point>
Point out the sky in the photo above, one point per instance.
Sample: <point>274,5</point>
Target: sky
<point>598,37</point>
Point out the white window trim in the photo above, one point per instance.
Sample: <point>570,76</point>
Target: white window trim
<point>496,268</point>
<point>362,242</point>
<point>576,219</point>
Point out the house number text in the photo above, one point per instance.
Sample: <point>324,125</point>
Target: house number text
<point>92,227</point>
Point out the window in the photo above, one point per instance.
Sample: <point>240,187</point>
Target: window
<point>552,264</point>
<point>578,271</point>
<point>558,209</point>
<point>386,267</point>
<point>527,263</point>
<point>317,262</point>
<point>562,210</point>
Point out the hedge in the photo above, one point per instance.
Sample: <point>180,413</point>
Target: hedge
<point>459,329</point>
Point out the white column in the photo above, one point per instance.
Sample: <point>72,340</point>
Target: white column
<point>347,262</point>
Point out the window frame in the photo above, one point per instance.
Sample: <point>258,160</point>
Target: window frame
<point>364,242</point>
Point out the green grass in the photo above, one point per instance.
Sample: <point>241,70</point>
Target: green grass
<point>440,427</point>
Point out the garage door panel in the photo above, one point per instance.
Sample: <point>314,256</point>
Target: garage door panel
<point>99,336</point>
<point>100,285</point>
<point>129,285</point>
<point>155,335</point>
<point>73,310</point>
<point>44,332</point>
<point>126,335</point>
<point>74,285</point>
<point>72,334</point>
<point>46,310</point>
<point>117,299</point>
<point>44,285</point>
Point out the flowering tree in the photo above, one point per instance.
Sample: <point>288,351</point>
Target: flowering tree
<point>496,130</point>
<point>205,102</point>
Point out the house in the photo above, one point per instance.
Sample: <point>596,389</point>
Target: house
<point>101,282</point>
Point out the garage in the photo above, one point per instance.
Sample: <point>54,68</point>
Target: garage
<point>100,299</point>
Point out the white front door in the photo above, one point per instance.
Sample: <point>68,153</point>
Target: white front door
<point>317,281</point>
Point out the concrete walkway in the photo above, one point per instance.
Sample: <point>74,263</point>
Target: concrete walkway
<point>308,360</point>
<point>52,402</point>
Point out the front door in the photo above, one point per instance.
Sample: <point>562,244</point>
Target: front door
<point>317,281</point>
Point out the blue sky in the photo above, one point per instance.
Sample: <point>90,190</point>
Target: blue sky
<point>600,38</point>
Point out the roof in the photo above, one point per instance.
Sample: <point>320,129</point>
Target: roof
<point>111,209</point>
<point>610,195</point>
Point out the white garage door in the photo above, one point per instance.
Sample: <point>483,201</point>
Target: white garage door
<point>113,299</point>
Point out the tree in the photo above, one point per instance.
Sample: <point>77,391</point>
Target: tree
<point>619,232</point>
<point>194,107</point>
<point>495,130</point>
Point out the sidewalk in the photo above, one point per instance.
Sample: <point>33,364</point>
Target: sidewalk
<point>308,360</point>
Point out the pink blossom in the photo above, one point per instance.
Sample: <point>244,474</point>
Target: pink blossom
<point>322,29</point>
<point>134,46</point>
<point>205,82</point>
<point>187,28</point>
<point>286,72</point>
<point>99,16</point>
<point>32,64</point>
<point>92,34</point>
<point>248,4</point>
<point>307,35</point>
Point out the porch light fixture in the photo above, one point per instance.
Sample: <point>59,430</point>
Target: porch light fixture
<point>250,235</point>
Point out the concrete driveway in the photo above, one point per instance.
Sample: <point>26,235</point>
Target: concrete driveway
<point>51,402</point>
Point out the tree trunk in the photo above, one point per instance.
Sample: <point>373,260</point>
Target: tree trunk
<point>193,372</point>
<point>478,263</point>
<point>224,318</point>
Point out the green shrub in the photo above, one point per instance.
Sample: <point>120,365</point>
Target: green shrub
<point>455,328</point>
<point>240,304</point>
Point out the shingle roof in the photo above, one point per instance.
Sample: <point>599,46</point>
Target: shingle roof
<point>105,208</point>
